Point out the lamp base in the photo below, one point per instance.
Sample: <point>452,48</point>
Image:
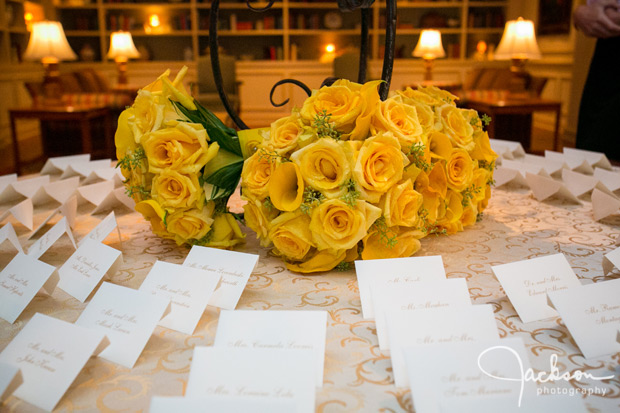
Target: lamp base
<point>519,81</point>
<point>121,66</point>
<point>428,69</point>
<point>52,88</point>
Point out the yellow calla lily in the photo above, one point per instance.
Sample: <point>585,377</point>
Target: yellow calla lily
<point>322,261</point>
<point>286,187</point>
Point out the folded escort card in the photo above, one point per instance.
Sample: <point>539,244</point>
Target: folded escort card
<point>527,283</point>
<point>102,230</point>
<point>611,179</point>
<point>58,164</point>
<point>595,159</point>
<point>189,290</point>
<point>7,233</point>
<point>95,193</point>
<point>50,354</point>
<point>269,374</point>
<point>68,210</point>
<point>127,317</point>
<point>575,163</point>
<point>85,269</point>
<point>592,315</point>
<point>465,371</point>
<point>503,176</point>
<point>83,169</point>
<point>291,330</point>
<point>553,168</point>
<point>507,149</point>
<point>414,297</point>
<point>105,174</point>
<point>25,188</point>
<point>220,404</point>
<point>10,379</point>
<point>395,271</point>
<point>543,188</point>
<point>116,198</point>
<point>50,237</point>
<point>604,204</point>
<point>436,326</point>
<point>611,260</point>
<point>23,212</point>
<point>234,268</point>
<point>579,184</point>
<point>20,281</point>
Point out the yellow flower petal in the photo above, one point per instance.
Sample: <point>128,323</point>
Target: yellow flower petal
<point>286,187</point>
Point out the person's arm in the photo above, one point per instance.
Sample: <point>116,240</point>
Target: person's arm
<point>598,19</point>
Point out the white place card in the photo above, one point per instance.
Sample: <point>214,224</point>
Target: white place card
<point>50,237</point>
<point>220,404</point>
<point>5,182</point>
<point>85,269</point>
<point>611,260</point>
<point>50,353</point>
<point>415,297</point>
<point>105,174</point>
<point>611,179</point>
<point>95,193</point>
<point>127,317</point>
<point>265,373</point>
<point>436,326</point>
<point>10,379</point>
<point>527,283</point>
<point>22,188</point>
<point>579,184</point>
<point>395,271</point>
<point>102,230</point>
<point>543,188</point>
<point>189,289</point>
<point>507,149</point>
<point>604,204</point>
<point>234,268</point>
<point>7,233</point>
<point>23,212</point>
<point>592,315</point>
<point>549,166</point>
<point>503,176</point>
<point>20,281</point>
<point>113,200</point>
<point>463,371</point>
<point>506,404</point>
<point>575,163</point>
<point>596,159</point>
<point>68,210</point>
<point>290,330</point>
<point>523,168</point>
<point>83,169</point>
<point>58,191</point>
<point>58,164</point>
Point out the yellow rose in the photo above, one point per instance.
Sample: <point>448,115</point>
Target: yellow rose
<point>256,173</point>
<point>455,126</point>
<point>286,187</point>
<point>335,225</point>
<point>257,218</point>
<point>290,234</point>
<point>174,190</point>
<point>459,170</point>
<point>379,165</point>
<point>400,205</point>
<point>421,96</point>
<point>480,180</point>
<point>284,133</point>
<point>147,115</point>
<point>470,215</point>
<point>392,115</point>
<point>155,214</point>
<point>348,104</point>
<point>321,261</point>
<point>430,195</point>
<point>482,148</point>
<point>225,232</point>
<point>452,209</point>
<point>439,146</point>
<point>325,165</point>
<point>190,224</point>
<point>183,148</point>
<point>439,94</point>
<point>407,243</point>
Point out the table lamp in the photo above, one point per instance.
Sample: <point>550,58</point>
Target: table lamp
<point>429,48</point>
<point>121,50</point>
<point>49,44</point>
<point>519,45</point>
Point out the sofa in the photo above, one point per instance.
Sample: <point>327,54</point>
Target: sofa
<point>495,83</point>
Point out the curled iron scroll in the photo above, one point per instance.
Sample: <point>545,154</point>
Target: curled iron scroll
<point>343,5</point>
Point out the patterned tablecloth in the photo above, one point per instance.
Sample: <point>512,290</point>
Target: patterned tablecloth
<point>358,375</point>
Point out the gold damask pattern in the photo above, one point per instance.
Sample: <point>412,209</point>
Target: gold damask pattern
<point>358,375</point>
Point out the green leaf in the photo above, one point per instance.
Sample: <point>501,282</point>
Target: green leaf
<point>224,181</point>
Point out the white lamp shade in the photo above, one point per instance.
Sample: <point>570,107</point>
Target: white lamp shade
<point>121,46</point>
<point>429,46</point>
<point>48,43</point>
<point>518,41</point>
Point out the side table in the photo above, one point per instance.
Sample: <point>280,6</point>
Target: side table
<point>82,115</point>
<point>527,106</point>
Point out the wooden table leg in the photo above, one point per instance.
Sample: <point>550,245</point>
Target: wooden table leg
<point>556,135</point>
<point>87,146</point>
<point>18,165</point>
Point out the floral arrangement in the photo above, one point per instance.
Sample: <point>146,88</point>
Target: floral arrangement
<point>181,164</point>
<point>348,176</point>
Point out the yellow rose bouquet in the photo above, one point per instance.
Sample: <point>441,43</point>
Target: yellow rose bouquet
<point>181,164</point>
<point>349,176</point>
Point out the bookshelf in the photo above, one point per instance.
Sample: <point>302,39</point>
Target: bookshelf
<point>13,32</point>
<point>290,30</point>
